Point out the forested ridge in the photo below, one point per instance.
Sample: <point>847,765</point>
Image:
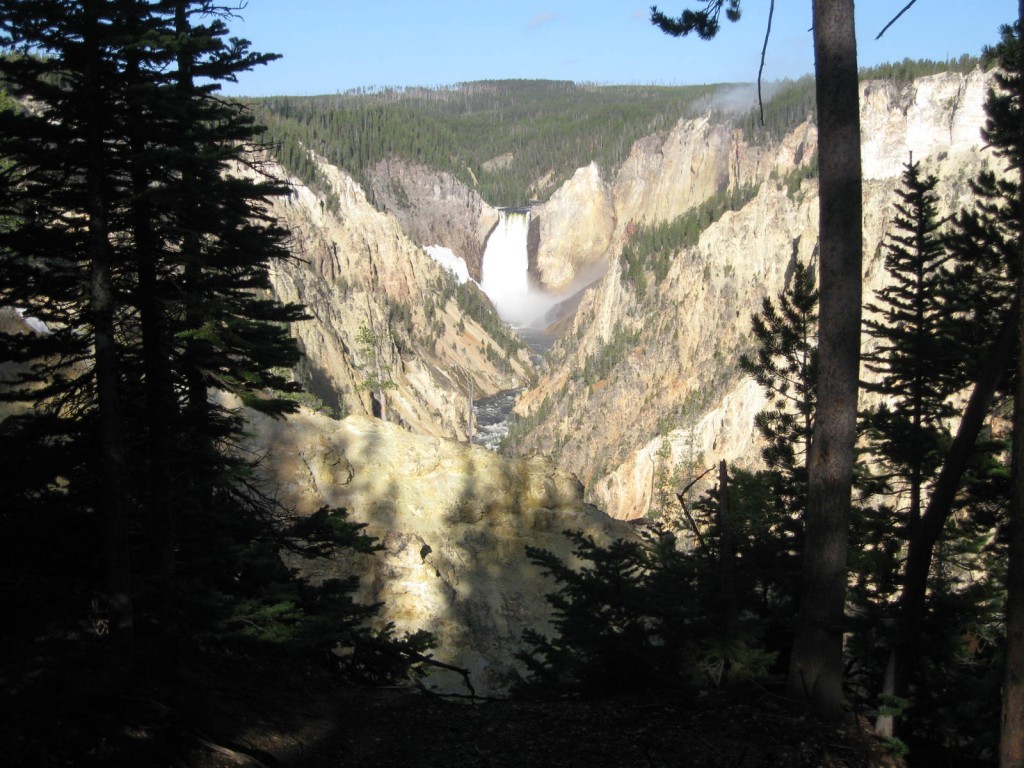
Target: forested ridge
<point>519,140</point>
<point>549,129</point>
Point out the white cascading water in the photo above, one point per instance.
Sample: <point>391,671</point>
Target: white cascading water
<point>456,265</point>
<point>505,268</point>
<point>505,274</point>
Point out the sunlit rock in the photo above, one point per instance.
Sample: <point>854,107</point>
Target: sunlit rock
<point>454,521</point>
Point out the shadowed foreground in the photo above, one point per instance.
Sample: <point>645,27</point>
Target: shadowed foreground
<point>235,711</point>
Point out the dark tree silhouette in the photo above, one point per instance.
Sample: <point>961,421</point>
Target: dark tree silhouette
<point>134,224</point>
<point>816,663</point>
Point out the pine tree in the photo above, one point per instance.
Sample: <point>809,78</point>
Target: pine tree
<point>135,225</point>
<point>63,196</point>
<point>377,373</point>
<point>942,328</point>
<point>912,353</point>
<point>786,367</point>
<point>913,366</point>
<point>1004,131</point>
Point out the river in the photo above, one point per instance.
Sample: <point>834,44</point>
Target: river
<point>493,412</point>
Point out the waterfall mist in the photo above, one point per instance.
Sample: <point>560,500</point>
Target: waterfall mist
<point>506,271</point>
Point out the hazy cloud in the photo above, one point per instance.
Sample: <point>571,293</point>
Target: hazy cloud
<point>740,98</point>
<point>540,20</point>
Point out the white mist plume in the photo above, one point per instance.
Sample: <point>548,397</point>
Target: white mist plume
<point>736,99</point>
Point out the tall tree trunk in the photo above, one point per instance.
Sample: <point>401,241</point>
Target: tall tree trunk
<point>156,365</point>
<point>727,554</point>
<point>1011,742</point>
<point>102,308</point>
<point>198,498</point>
<point>816,666</point>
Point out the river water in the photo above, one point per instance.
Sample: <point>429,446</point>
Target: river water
<point>493,412</point>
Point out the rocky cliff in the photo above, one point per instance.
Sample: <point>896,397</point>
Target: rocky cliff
<point>454,521</point>
<point>648,388</point>
<point>355,269</point>
<point>434,208</point>
<point>641,386</point>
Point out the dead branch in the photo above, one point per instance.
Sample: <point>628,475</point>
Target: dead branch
<point>461,671</point>
<point>764,50</point>
<point>894,18</point>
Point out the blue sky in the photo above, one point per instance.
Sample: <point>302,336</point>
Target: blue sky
<point>334,45</point>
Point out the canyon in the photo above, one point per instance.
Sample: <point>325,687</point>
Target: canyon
<point>640,393</point>
<point>669,399</point>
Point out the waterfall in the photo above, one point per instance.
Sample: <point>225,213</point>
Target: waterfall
<point>505,267</point>
<point>505,274</point>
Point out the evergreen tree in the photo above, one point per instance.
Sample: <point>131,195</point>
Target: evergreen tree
<point>912,358</point>
<point>134,224</point>
<point>786,367</point>
<point>377,373</point>
<point>940,328</point>
<point>1004,131</point>
<point>63,194</point>
<point>912,348</point>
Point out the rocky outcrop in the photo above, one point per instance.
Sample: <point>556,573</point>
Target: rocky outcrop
<point>669,392</point>
<point>666,176</point>
<point>454,521</point>
<point>576,228</point>
<point>434,208</point>
<point>936,117</point>
<point>354,268</point>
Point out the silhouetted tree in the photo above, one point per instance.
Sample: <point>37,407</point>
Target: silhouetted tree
<point>786,367</point>
<point>135,226</point>
<point>915,358</point>
<point>1004,130</point>
<point>816,665</point>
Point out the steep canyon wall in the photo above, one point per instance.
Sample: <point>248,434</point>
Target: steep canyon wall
<point>354,268</point>
<point>638,385</point>
<point>668,399</point>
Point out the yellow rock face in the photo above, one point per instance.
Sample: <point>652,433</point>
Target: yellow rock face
<point>454,521</point>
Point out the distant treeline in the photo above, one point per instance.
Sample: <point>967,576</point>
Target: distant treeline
<point>511,140</point>
<point>792,101</point>
<point>910,69</point>
<point>519,140</point>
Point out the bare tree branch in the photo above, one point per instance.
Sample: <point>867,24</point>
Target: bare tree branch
<point>764,49</point>
<point>894,18</point>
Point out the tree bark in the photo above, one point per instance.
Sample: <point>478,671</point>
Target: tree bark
<point>158,389</point>
<point>197,411</point>
<point>105,352</point>
<point>727,554</point>
<point>816,666</point>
